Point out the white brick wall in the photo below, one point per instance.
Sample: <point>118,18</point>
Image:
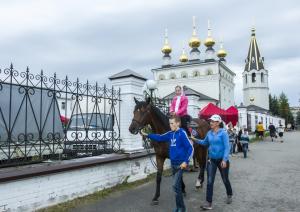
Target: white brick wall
<point>130,87</point>
<point>42,191</point>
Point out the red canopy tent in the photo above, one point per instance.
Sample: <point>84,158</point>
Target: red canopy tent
<point>212,109</point>
<point>232,115</point>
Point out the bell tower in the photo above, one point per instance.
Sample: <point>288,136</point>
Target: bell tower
<point>255,77</point>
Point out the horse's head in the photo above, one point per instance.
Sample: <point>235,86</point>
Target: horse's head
<point>141,116</point>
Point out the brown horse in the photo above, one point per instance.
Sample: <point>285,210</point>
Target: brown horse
<point>147,114</point>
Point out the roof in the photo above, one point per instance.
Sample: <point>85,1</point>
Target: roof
<point>127,73</point>
<point>190,92</point>
<point>256,108</point>
<point>189,63</point>
<point>254,60</point>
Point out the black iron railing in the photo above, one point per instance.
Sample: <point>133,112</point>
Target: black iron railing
<point>48,118</point>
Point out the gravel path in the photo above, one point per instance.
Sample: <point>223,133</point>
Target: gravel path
<point>268,180</point>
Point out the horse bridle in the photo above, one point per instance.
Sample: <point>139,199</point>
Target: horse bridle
<point>140,124</point>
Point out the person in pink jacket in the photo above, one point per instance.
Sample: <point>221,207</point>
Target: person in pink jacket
<point>179,107</point>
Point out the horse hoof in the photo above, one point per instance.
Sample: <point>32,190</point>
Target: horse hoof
<point>154,202</point>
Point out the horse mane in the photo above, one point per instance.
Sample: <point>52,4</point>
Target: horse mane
<point>163,118</point>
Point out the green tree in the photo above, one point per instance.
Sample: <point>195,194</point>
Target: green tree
<point>298,118</point>
<point>274,105</point>
<point>284,109</point>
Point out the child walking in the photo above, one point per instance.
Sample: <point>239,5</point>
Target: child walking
<point>180,152</point>
<point>245,142</point>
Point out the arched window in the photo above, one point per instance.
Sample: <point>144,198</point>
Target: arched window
<point>253,77</point>
<point>196,74</point>
<point>172,76</point>
<point>262,77</point>
<point>162,77</point>
<point>209,72</point>
<point>184,75</point>
<point>246,78</point>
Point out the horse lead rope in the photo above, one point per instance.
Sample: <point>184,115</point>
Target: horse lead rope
<point>147,147</point>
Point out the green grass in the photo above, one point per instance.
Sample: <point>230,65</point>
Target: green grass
<point>255,139</point>
<point>80,201</point>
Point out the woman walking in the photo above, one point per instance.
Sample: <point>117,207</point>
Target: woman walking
<point>218,149</point>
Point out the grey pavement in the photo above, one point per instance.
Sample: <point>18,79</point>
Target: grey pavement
<point>268,180</point>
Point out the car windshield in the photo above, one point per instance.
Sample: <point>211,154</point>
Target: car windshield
<point>95,121</point>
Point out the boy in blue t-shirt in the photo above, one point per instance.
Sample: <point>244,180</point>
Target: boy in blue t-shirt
<point>180,152</point>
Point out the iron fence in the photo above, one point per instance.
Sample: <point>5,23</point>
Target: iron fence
<point>162,104</point>
<point>48,118</point>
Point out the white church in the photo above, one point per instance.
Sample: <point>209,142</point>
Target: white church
<point>204,80</point>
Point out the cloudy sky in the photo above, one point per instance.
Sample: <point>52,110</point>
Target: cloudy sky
<point>95,39</point>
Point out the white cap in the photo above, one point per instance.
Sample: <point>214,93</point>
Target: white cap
<point>215,117</point>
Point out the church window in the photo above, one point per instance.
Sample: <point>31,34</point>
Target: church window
<point>246,78</point>
<point>196,74</point>
<point>262,77</point>
<point>253,77</point>
<point>184,75</point>
<point>162,77</point>
<point>209,72</point>
<point>253,60</point>
<point>172,76</point>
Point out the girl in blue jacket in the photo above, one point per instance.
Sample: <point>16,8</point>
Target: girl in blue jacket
<point>218,157</point>
<point>180,152</point>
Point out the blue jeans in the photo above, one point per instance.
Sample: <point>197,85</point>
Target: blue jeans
<point>245,149</point>
<point>177,187</point>
<point>231,147</point>
<point>234,146</point>
<point>212,165</point>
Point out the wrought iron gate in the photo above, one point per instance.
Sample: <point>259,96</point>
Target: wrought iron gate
<point>48,118</point>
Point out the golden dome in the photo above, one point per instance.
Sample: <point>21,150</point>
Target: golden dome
<point>194,42</point>
<point>183,57</point>
<point>221,53</point>
<point>166,49</point>
<point>209,42</point>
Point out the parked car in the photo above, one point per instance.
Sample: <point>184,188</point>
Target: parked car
<point>89,131</point>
